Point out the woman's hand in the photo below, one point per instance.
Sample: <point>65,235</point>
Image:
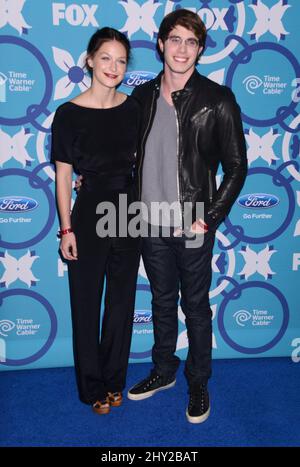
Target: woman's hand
<point>78,183</point>
<point>199,227</point>
<point>68,246</point>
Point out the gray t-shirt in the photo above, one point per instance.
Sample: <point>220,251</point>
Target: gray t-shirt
<point>159,183</point>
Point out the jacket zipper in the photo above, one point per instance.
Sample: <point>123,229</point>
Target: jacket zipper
<point>210,188</point>
<point>178,182</point>
<point>142,145</point>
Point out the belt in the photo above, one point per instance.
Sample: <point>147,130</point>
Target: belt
<point>104,183</point>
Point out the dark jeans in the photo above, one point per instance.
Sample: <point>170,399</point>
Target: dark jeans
<point>171,267</point>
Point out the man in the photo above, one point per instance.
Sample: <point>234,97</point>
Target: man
<point>189,125</point>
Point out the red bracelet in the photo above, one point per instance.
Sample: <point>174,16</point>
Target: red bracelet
<point>64,232</point>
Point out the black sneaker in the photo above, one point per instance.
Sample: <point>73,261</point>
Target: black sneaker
<point>198,409</point>
<point>149,386</point>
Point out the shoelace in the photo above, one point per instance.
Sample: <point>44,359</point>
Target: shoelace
<point>152,380</point>
<point>197,397</point>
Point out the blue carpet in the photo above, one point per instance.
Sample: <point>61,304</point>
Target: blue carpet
<point>255,402</point>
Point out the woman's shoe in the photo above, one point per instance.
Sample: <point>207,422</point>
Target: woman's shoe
<point>101,407</point>
<point>115,399</point>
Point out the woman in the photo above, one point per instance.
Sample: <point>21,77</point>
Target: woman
<point>95,134</point>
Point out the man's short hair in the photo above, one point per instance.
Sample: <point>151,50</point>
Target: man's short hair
<point>186,19</point>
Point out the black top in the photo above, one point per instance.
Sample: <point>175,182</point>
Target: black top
<point>96,141</point>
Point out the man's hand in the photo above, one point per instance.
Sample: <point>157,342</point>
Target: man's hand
<point>78,183</point>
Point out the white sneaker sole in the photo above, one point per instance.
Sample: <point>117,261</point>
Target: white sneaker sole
<point>199,419</point>
<point>139,397</point>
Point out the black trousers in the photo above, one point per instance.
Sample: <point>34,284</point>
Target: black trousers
<point>171,267</point>
<point>101,361</point>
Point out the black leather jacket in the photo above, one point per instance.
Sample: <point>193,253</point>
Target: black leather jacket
<point>209,132</point>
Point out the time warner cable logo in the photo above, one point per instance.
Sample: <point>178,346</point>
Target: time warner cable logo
<point>269,84</point>
<point>5,326</point>
<point>3,79</point>
<point>241,316</point>
<point>296,352</point>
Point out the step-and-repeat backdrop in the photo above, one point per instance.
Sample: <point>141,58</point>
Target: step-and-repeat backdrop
<point>252,47</point>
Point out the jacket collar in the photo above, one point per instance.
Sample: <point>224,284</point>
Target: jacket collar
<point>189,86</point>
<point>157,81</point>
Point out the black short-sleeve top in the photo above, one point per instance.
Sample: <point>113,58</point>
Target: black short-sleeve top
<point>96,141</point>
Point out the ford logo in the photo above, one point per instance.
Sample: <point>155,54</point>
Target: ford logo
<point>258,201</point>
<point>13,204</point>
<point>142,317</point>
<point>135,78</point>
